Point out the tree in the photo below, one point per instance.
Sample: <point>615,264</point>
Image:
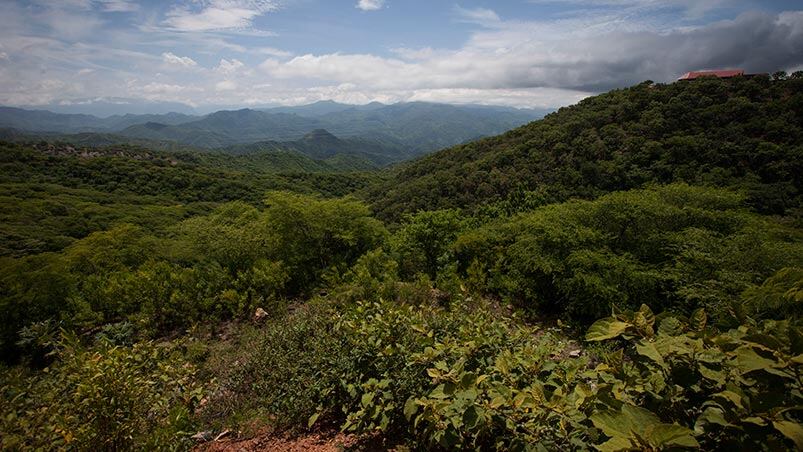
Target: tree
<point>779,75</point>
<point>424,239</point>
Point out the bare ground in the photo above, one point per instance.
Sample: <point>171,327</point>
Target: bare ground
<point>323,441</point>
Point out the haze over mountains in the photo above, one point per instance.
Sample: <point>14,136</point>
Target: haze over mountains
<point>380,133</point>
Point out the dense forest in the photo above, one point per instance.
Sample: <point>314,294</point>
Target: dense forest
<point>744,134</point>
<point>625,274</point>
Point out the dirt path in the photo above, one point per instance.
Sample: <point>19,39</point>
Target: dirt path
<point>327,441</point>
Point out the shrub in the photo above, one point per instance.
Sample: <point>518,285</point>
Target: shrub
<point>422,242</point>
<point>106,398</point>
<point>679,247</point>
<point>470,377</point>
<point>737,389</point>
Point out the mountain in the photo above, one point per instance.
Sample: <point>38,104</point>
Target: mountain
<point>743,133</point>
<point>184,134</point>
<point>312,110</point>
<point>47,121</point>
<point>424,127</point>
<point>320,144</point>
<point>416,127</point>
<point>323,107</point>
<point>117,106</point>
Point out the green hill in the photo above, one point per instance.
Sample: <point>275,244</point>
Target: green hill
<point>319,144</point>
<point>53,194</point>
<point>416,127</point>
<point>741,133</point>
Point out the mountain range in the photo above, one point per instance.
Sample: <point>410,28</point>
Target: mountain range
<point>383,133</point>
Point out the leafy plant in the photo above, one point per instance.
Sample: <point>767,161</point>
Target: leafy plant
<point>107,398</point>
<point>740,387</point>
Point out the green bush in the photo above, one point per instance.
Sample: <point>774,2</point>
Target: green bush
<point>423,240</point>
<point>738,389</point>
<point>106,398</point>
<point>678,247</point>
<point>779,297</point>
<point>471,377</point>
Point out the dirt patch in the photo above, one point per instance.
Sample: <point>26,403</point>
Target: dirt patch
<point>327,441</point>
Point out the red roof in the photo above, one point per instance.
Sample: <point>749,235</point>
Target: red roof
<point>728,73</point>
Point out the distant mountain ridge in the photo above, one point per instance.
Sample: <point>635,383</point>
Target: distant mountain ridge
<point>409,129</point>
<point>320,144</point>
<point>47,121</point>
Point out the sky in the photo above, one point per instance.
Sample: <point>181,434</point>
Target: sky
<point>207,54</point>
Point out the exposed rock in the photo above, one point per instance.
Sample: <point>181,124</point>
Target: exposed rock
<point>222,435</point>
<point>260,315</point>
<point>203,437</point>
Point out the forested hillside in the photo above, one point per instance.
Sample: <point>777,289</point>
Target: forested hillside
<point>626,274</point>
<point>55,193</point>
<point>743,133</point>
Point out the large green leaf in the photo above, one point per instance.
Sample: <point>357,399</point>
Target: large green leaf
<point>631,419</point>
<point>648,349</point>
<point>791,430</point>
<point>607,328</point>
<point>698,320</point>
<point>615,444</point>
<point>410,408</point>
<point>671,435</point>
<point>312,419</point>
<point>670,326</point>
<point>612,423</point>
<point>747,360</point>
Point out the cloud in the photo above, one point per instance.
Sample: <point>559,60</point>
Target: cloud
<point>218,14</point>
<point>118,6</point>
<point>162,88</point>
<point>589,58</point>
<point>229,66</point>
<point>272,51</point>
<point>370,5</point>
<point>414,54</point>
<point>170,58</point>
<point>692,8</point>
<point>225,85</point>
<point>480,16</point>
<point>550,61</point>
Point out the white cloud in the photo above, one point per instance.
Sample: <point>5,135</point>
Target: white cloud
<point>586,56</point>
<point>693,8</point>
<point>536,63</point>
<point>118,6</point>
<point>225,85</point>
<point>162,88</point>
<point>218,14</point>
<point>370,5</point>
<point>414,54</point>
<point>480,16</point>
<point>271,51</point>
<point>229,66</point>
<point>171,58</point>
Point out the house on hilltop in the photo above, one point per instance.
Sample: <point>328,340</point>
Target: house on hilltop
<point>724,73</point>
